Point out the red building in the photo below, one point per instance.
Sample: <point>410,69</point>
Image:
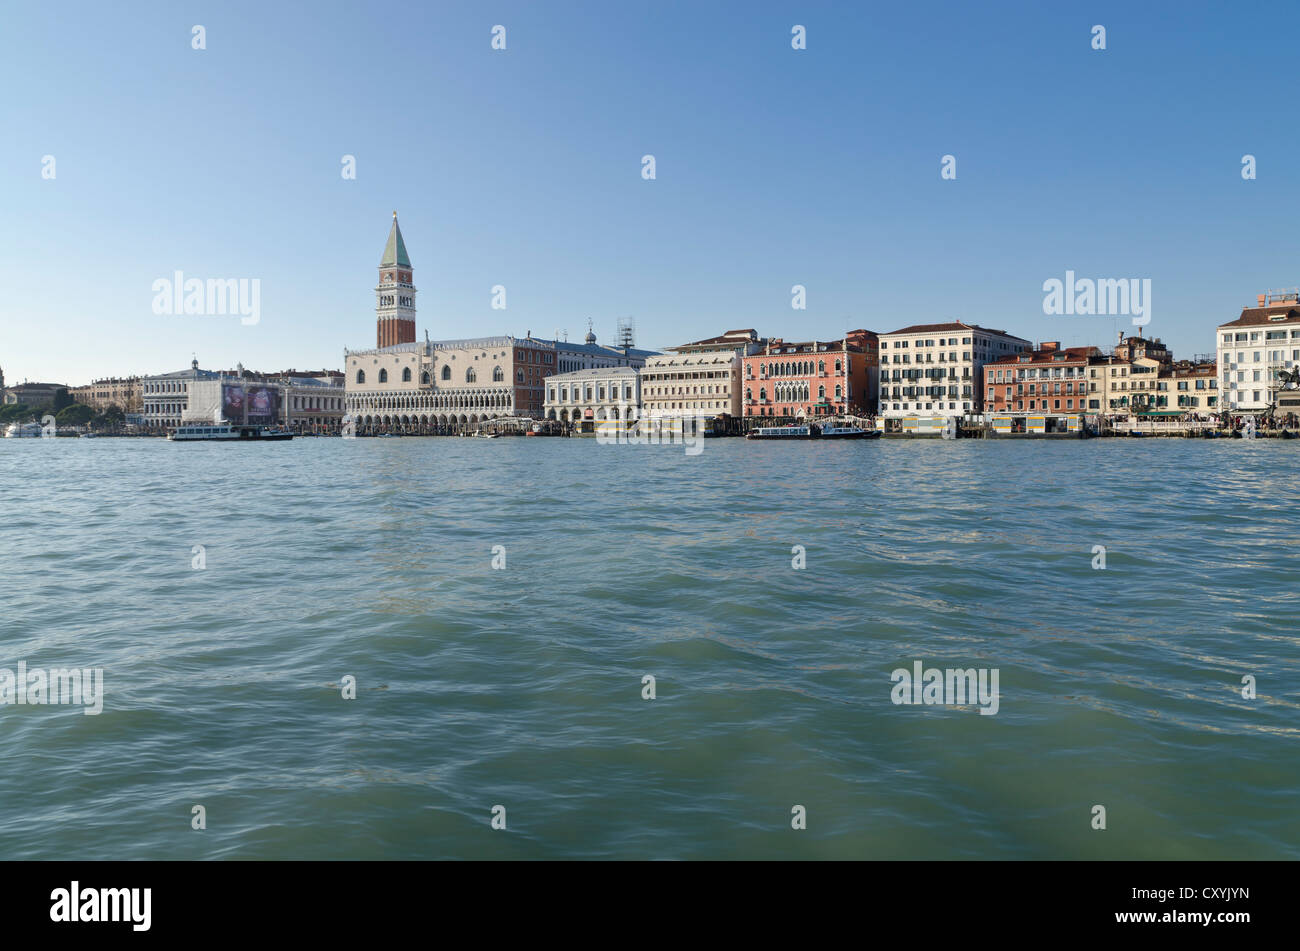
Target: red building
<point>1047,380</point>
<point>815,378</point>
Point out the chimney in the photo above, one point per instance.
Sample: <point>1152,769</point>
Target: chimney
<point>1262,298</point>
<point>1050,345</point>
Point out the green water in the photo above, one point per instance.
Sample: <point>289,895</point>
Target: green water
<point>522,687</point>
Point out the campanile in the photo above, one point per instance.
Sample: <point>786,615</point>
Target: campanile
<point>395,295</point>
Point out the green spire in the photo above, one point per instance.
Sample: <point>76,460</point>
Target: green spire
<point>395,249</point>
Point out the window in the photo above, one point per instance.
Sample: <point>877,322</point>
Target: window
<point>361,376</point>
<point>383,376</point>
<point>406,374</point>
<point>470,375</point>
<point>424,377</point>
<point>498,375</point>
<point>446,373</point>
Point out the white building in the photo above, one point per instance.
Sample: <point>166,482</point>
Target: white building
<point>700,379</point>
<point>166,396</point>
<point>1252,350</point>
<point>937,370</point>
<point>586,397</point>
<point>303,404</point>
<point>446,384</point>
<point>311,405</point>
<point>437,386</point>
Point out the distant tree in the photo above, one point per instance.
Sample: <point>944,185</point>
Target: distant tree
<point>12,412</point>
<point>62,400</point>
<point>78,414</point>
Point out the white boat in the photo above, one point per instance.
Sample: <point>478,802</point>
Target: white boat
<point>848,432</point>
<point>783,432</point>
<point>23,431</point>
<point>226,432</point>
<point>89,436</point>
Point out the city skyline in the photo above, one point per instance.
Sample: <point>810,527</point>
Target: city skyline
<point>522,168</point>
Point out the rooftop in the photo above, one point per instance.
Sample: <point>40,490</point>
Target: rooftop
<point>953,326</point>
<point>856,338</point>
<point>595,349</point>
<point>732,338</point>
<point>687,359</point>
<point>471,343</point>
<point>1269,314</point>
<point>1048,355</point>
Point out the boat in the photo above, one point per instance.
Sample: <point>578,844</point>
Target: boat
<point>227,432</point>
<point>24,431</point>
<point>812,431</point>
<point>848,432</point>
<point>487,435</point>
<point>89,436</point>
<point>783,432</point>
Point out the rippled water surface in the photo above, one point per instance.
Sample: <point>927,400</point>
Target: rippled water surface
<point>523,687</point>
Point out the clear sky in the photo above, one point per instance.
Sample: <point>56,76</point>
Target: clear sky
<point>522,168</point>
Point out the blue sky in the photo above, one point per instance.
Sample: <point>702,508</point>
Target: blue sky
<point>522,168</point>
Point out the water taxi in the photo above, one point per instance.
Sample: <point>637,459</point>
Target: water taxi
<point>227,432</point>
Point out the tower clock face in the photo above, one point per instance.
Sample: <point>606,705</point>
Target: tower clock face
<point>388,276</point>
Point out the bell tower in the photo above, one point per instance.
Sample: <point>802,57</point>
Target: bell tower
<point>395,294</point>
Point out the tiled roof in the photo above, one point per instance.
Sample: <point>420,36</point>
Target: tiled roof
<point>730,338</point>
<point>1259,316</point>
<point>955,325</point>
<point>1075,354</point>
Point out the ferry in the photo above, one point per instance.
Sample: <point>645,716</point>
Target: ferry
<point>848,432</point>
<point>783,432</point>
<point>812,431</point>
<point>223,432</point>
<point>23,431</point>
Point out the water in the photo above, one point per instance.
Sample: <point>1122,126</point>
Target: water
<point>522,687</point>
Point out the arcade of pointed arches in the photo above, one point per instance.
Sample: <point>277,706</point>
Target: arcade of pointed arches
<point>452,410</point>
